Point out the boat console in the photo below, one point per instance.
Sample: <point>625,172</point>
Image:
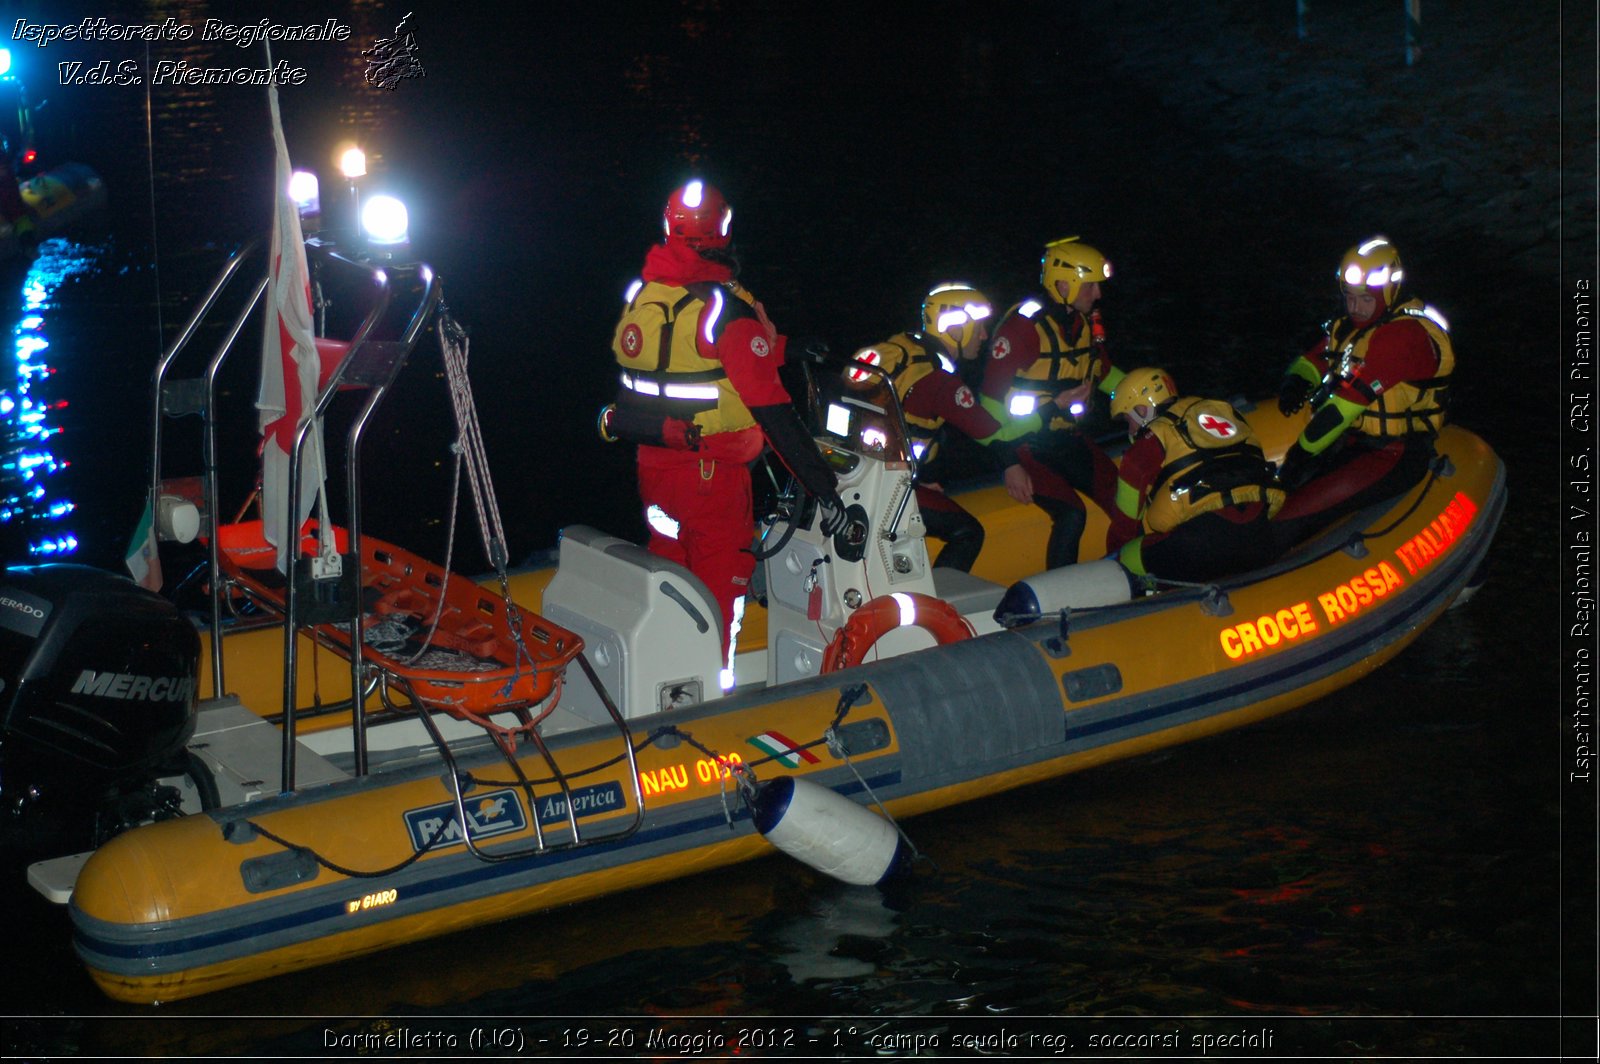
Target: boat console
<point>815,582</point>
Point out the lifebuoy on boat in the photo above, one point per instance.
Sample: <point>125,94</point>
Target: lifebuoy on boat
<point>884,614</point>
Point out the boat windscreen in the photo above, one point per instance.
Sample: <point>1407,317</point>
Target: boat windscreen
<point>857,410</point>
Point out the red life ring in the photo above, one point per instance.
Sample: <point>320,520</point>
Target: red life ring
<point>886,613</point>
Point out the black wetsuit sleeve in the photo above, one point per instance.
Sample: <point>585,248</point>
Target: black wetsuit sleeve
<point>794,445</point>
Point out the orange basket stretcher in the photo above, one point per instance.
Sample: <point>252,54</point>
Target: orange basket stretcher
<point>460,648</point>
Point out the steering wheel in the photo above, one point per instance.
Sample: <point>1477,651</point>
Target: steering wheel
<point>788,507</point>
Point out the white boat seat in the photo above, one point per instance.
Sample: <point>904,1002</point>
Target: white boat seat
<point>651,628</point>
<point>973,597</point>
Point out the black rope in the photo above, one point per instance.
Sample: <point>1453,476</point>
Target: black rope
<point>591,770</point>
<point>847,699</point>
<point>1434,469</point>
<point>353,873</point>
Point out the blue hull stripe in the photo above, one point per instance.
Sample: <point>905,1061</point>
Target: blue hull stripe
<point>152,949</point>
<point>143,944</point>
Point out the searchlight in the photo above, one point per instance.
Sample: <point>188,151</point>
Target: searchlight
<point>353,163</point>
<point>384,221</point>
<point>306,193</point>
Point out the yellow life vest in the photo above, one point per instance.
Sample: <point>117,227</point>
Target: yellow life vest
<point>1404,407</point>
<point>663,372</point>
<point>1212,460</point>
<point>907,358</point>
<point>1061,362</point>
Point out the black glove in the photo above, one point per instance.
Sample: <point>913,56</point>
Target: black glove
<point>834,518</point>
<point>811,349</point>
<point>1293,393</point>
<point>1299,466</point>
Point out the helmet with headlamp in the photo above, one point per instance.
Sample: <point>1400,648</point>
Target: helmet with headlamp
<point>1072,261</point>
<point>1373,265</point>
<point>697,216</point>
<point>954,311</point>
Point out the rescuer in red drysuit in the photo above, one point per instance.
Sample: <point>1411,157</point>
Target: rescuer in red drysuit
<point>700,393</point>
<point>1379,385</point>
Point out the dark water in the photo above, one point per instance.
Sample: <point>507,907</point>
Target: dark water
<point>1378,874</point>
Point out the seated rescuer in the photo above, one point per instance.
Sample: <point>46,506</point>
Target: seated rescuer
<point>922,366</point>
<point>1194,492</point>
<point>699,393</point>
<point>1042,345</point>
<point>1379,387</point>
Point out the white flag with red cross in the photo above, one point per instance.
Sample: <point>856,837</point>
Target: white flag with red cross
<point>289,366</point>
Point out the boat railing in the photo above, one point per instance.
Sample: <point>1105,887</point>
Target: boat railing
<point>197,395</point>
<point>365,363</point>
<point>372,365</point>
<point>322,595</point>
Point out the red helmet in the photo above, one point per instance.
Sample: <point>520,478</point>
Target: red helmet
<point>698,216</point>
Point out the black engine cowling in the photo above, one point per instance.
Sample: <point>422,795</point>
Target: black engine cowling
<point>97,699</point>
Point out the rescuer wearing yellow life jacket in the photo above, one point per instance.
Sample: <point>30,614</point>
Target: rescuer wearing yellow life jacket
<point>699,393</point>
<point>1379,388</point>
<point>1194,491</point>
<point>1045,345</point>
<point>922,365</point>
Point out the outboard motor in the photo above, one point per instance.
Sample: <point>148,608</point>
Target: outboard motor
<point>97,699</point>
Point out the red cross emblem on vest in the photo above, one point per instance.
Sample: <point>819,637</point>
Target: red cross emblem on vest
<point>1220,427</point>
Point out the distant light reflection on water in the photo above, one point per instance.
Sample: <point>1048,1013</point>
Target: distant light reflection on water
<point>30,401</point>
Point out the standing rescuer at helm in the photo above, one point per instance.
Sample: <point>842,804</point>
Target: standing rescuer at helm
<point>1379,386</point>
<point>699,393</point>
<point>1052,345</point>
<point>1194,491</point>
<point>922,366</point>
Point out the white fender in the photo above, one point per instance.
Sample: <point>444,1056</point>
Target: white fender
<point>828,831</point>
<point>1098,583</point>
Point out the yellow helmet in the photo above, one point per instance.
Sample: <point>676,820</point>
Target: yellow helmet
<point>953,310</point>
<point>1147,385</point>
<point>1374,264</point>
<point>1073,262</point>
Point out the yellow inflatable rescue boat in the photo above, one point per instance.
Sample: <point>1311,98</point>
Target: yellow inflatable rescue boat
<point>870,687</point>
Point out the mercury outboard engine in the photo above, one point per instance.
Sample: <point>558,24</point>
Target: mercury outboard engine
<point>97,699</point>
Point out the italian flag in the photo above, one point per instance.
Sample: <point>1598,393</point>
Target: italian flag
<point>785,749</point>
